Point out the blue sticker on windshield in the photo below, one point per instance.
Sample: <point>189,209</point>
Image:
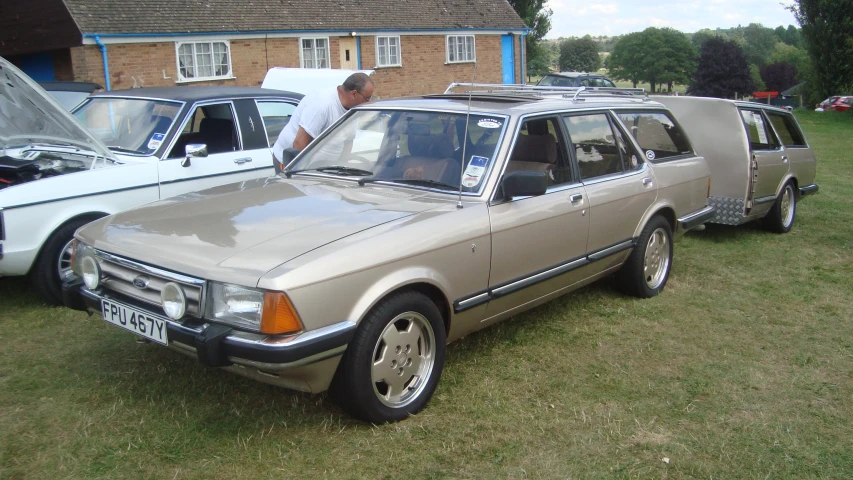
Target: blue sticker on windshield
<point>474,173</point>
<point>156,140</point>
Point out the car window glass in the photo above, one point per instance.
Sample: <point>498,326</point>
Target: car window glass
<point>594,144</point>
<point>211,125</point>
<point>657,134</point>
<point>756,130</point>
<point>129,125</point>
<point>538,148</point>
<point>275,115</point>
<point>786,127</point>
<point>607,83</point>
<point>409,147</point>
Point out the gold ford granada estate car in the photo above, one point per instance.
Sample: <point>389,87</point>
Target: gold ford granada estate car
<point>407,225</point>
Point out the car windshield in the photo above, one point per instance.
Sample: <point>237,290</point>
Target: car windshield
<point>557,81</point>
<point>129,125</point>
<point>418,148</point>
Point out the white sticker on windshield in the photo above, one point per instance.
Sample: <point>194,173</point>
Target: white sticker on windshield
<point>156,140</point>
<point>474,173</point>
<point>650,154</point>
<point>489,123</point>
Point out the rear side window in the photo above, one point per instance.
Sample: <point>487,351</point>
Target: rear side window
<point>760,138</point>
<point>596,148</point>
<point>787,129</point>
<point>275,115</point>
<point>656,133</point>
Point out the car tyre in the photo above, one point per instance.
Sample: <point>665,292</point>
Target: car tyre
<point>646,271</point>
<point>394,361</point>
<point>780,219</point>
<point>53,265</point>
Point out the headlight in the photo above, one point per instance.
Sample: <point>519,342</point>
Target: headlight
<point>91,272</point>
<point>251,309</point>
<point>173,300</point>
<point>79,251</point>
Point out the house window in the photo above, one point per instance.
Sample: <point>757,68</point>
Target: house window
<point>203,61</point>
<point>388,52</point>
<point>460,48</point>
<point>315,53</point>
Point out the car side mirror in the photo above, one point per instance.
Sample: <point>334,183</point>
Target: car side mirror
<point>524,184</point>
<point>287,155</point>
<point>193,150</point>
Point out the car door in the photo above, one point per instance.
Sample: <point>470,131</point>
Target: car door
<point>619,186</point>
<point>801,159</point>
<point>769,161</point>
<point>236,148</point>
<point>538,243</point>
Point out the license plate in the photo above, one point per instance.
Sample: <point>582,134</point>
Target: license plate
<point>138,322</point>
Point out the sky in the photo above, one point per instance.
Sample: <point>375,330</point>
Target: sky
<point>616,17</point>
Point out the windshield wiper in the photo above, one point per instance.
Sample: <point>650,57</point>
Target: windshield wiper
<point>411,181</point>
<point>124,150</point>
<point>339,169</point>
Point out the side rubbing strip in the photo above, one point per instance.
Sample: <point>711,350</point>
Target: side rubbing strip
<point>539,277</point>
<point>611,250</point>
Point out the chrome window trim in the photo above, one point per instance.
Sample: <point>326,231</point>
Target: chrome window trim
<point>131,97</point>
<point>616,176</point>
<point>486,175</point>
<point>187,116</point>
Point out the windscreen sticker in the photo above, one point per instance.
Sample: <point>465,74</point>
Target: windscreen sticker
<point>650,154</point>
<point>156,140</point>
<point>474,173</point>
<point>489,123</point>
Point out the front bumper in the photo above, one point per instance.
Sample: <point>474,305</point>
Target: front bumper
<point>221,346</point>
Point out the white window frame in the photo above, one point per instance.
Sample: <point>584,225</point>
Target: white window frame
<point>448,49</point>
<point>314,50</point>
<point>195,55</point>
<point>388,38</point>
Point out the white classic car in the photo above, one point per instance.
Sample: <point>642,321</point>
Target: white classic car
<point>148,144</point>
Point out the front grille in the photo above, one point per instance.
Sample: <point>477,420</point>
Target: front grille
<point>143,283</point>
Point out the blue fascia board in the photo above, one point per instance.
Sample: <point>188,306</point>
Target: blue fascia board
<point>524,31</point>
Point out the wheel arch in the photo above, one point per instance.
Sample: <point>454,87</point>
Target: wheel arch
<point>665,210</point>
<point>87,216</point>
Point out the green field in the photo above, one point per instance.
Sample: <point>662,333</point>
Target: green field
<point>742,368</point>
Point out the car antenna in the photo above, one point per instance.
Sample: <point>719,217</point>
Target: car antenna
<point>465,137</point>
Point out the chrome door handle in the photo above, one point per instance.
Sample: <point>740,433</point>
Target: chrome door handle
<point>240,161</point>
<point>647,181</point>
<point>576,198</point>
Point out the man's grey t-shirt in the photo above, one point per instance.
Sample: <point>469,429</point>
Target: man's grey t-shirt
<point>315,113</point>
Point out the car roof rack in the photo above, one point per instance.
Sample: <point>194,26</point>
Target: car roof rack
<point>535,92</point>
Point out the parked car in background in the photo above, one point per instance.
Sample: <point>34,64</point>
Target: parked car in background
<point>575,79</point>
<point>70,94</point>
<point>761,163</point>
<point>408,224</point>
<point>839,104</point>
<point>55,174</point>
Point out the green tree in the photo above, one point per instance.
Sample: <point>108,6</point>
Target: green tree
<point>759,43</point>
<point>793,37</point>
<point>757,81</point>
<point>794,56</point>
<point>700,36</point>
<point>828,32</point>
<point>579,54</point>
<point>537,17</point>
<point>722,71</point>
<point>658,56</point>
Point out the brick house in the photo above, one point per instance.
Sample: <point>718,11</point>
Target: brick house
<point>415,46</point>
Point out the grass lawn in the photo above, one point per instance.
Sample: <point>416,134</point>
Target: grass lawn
<point>742,368</point>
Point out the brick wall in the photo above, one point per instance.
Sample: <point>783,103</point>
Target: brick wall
<point>423,67</point>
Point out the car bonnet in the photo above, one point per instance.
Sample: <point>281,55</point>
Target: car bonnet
<point>236,233</point>
<point>29,115</point>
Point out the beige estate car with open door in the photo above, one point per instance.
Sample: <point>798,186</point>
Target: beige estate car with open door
<point>407,225</point>
<point>760,162</point>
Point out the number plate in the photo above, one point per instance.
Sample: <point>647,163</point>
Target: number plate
<point>138,322</point>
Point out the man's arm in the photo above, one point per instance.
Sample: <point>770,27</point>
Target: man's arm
<point>302,139</point>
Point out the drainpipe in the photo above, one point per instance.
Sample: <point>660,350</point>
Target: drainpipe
<point>358,53</point>
<point>103,48</point>
<point>523,64</point>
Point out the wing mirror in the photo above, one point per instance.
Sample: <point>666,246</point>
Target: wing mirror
<point>288,154</point>
<point>524,184</point>
<point>193,150</point>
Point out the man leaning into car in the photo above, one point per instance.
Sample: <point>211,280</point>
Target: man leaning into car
<point>318,110</point>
